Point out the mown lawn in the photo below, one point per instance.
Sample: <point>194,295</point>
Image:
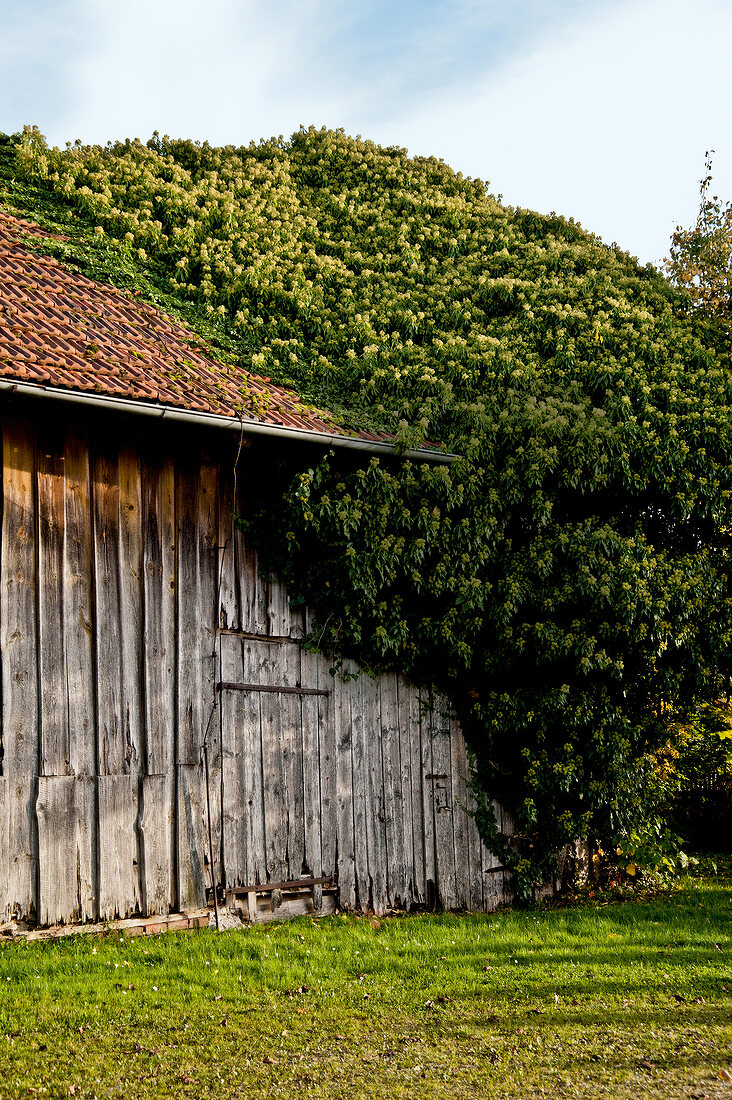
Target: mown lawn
<point>632,999</point>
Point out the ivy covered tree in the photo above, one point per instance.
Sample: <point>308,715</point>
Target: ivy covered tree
<point>566,580</point>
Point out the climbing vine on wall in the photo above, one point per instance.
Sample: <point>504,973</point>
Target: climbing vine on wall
<point>557,579</point>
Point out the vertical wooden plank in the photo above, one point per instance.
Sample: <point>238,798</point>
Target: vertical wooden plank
<point>192,870</point>
<point>473,860</point>
<point>252,591</point>
<point>55,748</point>
<point>314,803</point>
<point>355,694</point>
<point>156,823</point>
<point>78,613</point>
<point>346,836</point>
<point>227,616</point>
<point>158,886</point>
<point>278,609</point>
<point>118,879</point>
<point>404,695</point>
<point>159,592</point>
<point>422,824</point>
<point>18,651</point>
<point>439,729</point>
<point>22,895</point>
<point>86,847</point>
<point>394,807</point>
<point>460,819</point>
<point>431,896</point>
<point>113,751</point>
<point>327,762</point>
<point>57,855</point>
<point>130,607</point>
<point>189,650</point>
<point>375,804</point>
<point>5,909</point>
<point>236,719</point>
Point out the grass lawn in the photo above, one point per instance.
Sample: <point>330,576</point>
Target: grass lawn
<point>630,999</point>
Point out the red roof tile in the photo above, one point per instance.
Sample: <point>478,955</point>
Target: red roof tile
<point>60,330</point>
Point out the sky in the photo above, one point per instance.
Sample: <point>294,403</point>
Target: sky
<point>601,110</point>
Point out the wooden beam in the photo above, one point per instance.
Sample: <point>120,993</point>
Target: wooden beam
<point>293,884</point>
<point>254,637</point>
<point>278,688</point>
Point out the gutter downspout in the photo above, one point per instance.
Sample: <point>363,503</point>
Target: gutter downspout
<point>211,420</point>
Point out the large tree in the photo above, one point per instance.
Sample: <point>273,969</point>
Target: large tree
<point>566,580</point>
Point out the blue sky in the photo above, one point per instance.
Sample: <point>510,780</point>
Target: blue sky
<point>599,109</point>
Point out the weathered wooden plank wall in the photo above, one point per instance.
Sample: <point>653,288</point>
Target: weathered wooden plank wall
<point>127,602</point>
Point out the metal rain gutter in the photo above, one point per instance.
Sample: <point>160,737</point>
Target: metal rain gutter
<point>212,420</point>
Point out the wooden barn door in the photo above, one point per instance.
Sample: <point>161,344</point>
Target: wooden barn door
<point>272,712</point>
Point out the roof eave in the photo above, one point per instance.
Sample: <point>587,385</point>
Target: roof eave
<point>232,424</point>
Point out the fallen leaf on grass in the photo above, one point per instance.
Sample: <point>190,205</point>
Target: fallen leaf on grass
<point>301,1011</point>
<point>187,1080</point>
<point>645,1064</point>
<point>724,1075</point>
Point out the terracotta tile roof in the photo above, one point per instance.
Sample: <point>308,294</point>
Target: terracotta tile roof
<point>64,331</point>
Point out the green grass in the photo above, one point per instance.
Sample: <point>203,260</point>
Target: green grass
<point>632,999</point>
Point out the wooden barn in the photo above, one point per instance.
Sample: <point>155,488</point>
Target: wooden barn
<point>162,729</point>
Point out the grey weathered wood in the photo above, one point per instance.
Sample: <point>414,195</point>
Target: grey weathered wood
<point>78,611</point>
<point>193,877</point>
<point>56,814</point>
<point>86,847</point>
<point>428,801</point>
<point>404,695</point>
<point>422,828</point>
<point>276,730</point>
<point>375,803</point>
<point>190,655</point>
<point>54,724</point>
<point>387,734</point>
<point>327,756</point>
<point>280,621</point>
<point>208,568</point>
<point>443,802</point>
<point>345,825</point>
<point>236,720</point>
<point>156,830</point>
<point>460,820</point>
<point>18,651</point>
<point>114,745</point>
<point>5,912</point>
<point>468,855</point>
<point>130,607</point>
<point>119,888</point>
<point>300,783</point>
<point>313,770</point>
<point>252,590</point>
<point>359,762</point>
<point>159,589</point>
